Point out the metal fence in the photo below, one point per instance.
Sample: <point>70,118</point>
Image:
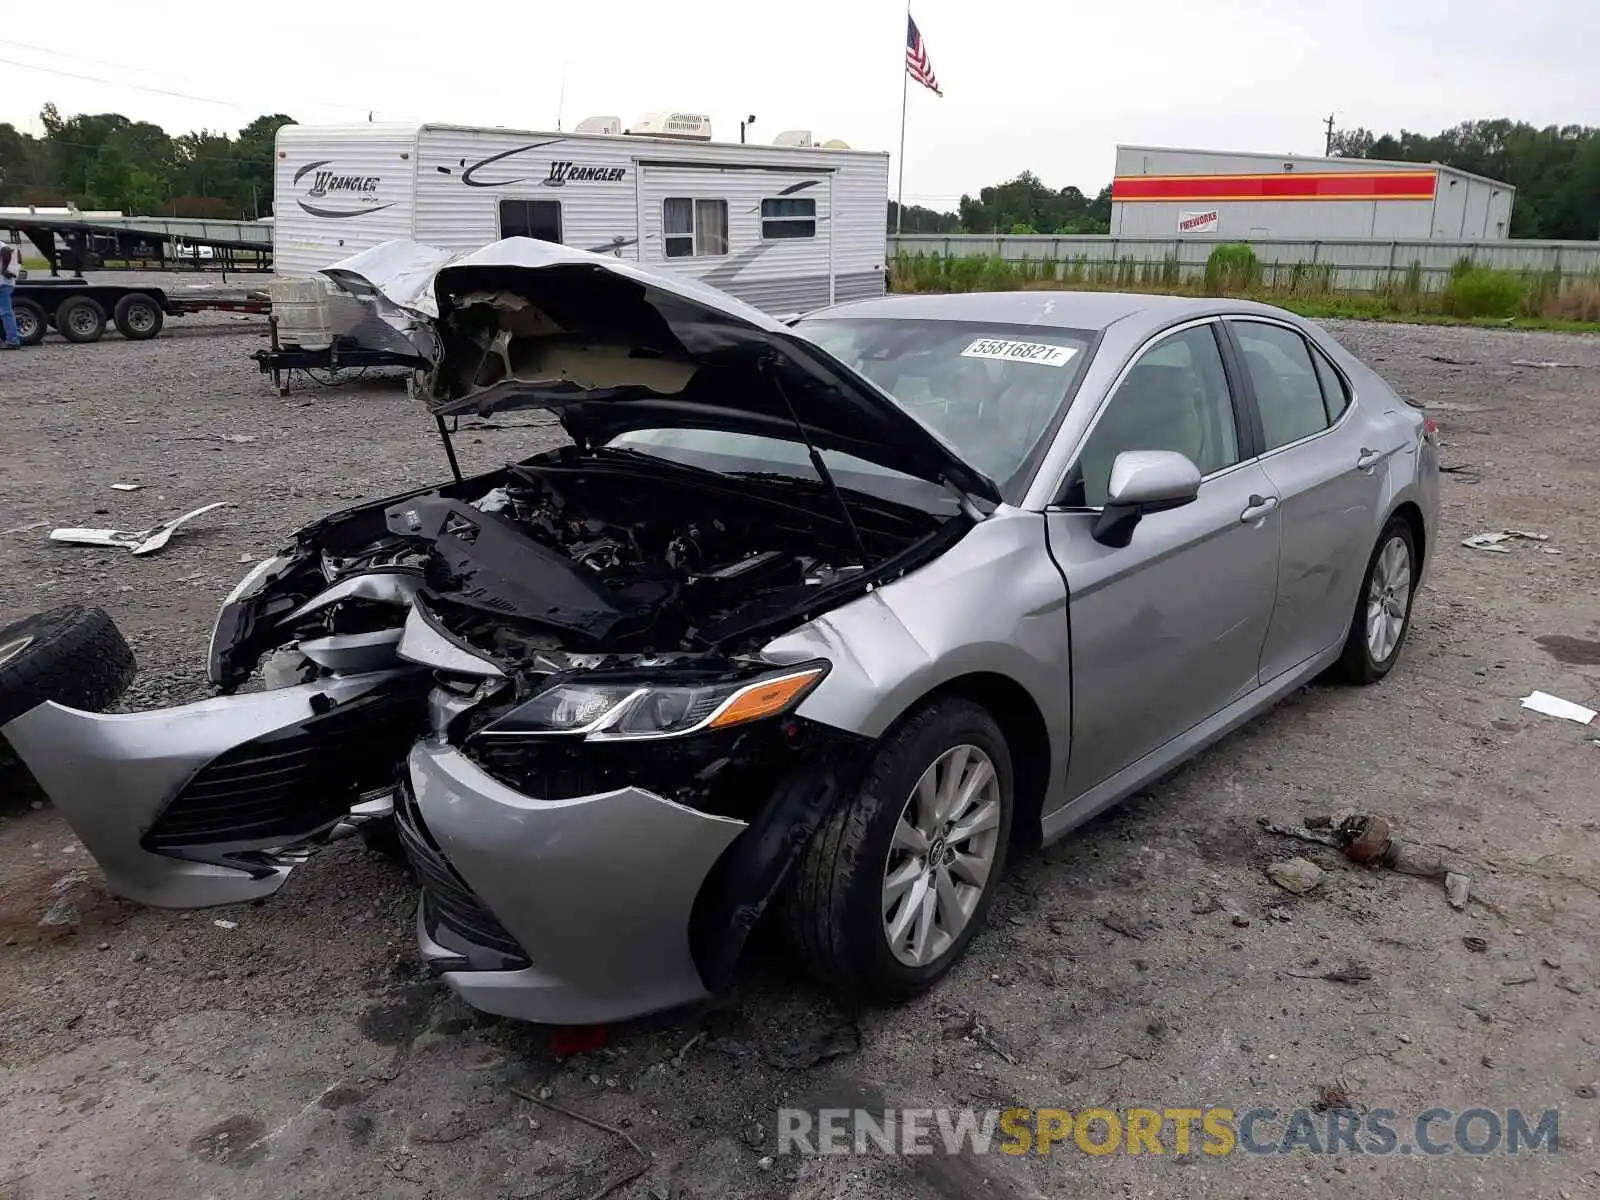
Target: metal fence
<point>1356,264</point>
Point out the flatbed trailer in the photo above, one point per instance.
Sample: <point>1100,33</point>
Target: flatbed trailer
<point>80,310</point>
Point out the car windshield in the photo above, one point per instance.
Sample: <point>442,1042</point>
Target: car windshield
<point>991,390</point>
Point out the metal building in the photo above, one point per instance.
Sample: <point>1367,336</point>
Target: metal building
<point>1164,192</point>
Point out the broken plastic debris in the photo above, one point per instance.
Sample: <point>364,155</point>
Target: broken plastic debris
<point>1540,364</point>
<point>145,541</point>
<point>126,487</point>
<point>221,924</point>
<point>1555,706</point>
<point>1456,889</point>
<point>1493,539</point>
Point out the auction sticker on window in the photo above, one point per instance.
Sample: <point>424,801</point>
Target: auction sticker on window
<point>1039,353</point>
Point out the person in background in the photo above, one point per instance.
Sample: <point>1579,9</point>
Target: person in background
<point>10,266</point>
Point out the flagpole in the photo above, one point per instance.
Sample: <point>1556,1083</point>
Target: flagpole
<point>905,81</point>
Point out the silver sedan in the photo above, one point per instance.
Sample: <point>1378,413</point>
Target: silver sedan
<point>823,620</point>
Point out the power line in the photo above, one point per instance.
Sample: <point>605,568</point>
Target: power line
<point>136,86</point>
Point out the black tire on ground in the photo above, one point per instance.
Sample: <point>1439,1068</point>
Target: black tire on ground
<point>73,655</point>
<point>1357,664</point>
<point>138,317</point>
<point>833,906</point>
<point>382,839</point>
<point>31,323</point>
<point>81,319</point>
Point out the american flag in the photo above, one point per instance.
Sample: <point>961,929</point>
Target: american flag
<point>917,64</point>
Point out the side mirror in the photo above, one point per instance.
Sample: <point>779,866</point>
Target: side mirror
<point>1144,481</point>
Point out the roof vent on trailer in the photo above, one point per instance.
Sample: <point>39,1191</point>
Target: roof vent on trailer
<point>836,144</point>
<point>599,125</point>
<point>794,137</point>
<point>689,127</point>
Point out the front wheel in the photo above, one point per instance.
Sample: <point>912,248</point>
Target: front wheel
<point>897,880</point>
<point>1382,618</point>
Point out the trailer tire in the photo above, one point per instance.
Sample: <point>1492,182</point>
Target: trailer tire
<point>31,323</point>
<point>80,319</point>
<point>138,317</point>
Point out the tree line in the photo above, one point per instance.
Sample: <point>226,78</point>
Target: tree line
<point>107,161</point>
<point>1556,170</point>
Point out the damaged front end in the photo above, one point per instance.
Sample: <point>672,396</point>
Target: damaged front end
<point>558,670</point>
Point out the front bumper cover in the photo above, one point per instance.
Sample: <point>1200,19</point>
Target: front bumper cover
<point>114,776</point>
<point>597,891</point>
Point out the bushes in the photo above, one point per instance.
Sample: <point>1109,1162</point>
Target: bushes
<point>1231,268</point>
<point>1482,292</point>
<point>1472,292</point>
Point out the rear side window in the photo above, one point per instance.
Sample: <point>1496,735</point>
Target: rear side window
<point>1335,392</point>
<point>1288,393</point>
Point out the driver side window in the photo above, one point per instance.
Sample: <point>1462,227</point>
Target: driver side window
<point>1175,397</point>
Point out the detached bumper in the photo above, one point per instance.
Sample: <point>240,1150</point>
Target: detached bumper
<point>204,783</point>
<point>569,911</point>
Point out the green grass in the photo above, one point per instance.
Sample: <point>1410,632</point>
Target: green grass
<point>1474,295</point>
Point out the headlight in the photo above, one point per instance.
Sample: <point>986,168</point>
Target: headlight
<point>634,711</point>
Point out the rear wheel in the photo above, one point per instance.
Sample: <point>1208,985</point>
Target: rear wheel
<point>30,322</point>
<point>138,317</point>
<point>1382,617</point>
<point>81,319</point>
<point>897,880</point>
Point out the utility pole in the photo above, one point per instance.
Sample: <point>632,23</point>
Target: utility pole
<point>1327,143</point>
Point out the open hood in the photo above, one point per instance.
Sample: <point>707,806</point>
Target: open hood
<point>611,346</point>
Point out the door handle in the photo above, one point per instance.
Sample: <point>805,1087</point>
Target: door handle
<point>1258,507</point>
<point>1367,458</point>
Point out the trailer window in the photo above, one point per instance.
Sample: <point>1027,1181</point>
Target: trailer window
<point>788,217</point>
<point>539,219</point>
<point>694,228</point>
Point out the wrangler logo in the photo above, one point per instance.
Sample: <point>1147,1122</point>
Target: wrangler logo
<point>324,182</point>
<point>563,172</point>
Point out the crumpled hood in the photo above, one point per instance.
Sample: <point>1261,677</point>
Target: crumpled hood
<point>612,346</point>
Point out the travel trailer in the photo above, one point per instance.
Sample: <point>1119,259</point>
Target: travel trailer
<point>787,227</point>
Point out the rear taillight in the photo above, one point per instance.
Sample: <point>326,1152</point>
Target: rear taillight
<point>1430,431</point>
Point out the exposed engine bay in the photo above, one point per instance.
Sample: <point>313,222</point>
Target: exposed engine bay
<point>609,552</point>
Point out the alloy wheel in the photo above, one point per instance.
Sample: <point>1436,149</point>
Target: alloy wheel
<point>1388,599</point>
<point>941,856</point>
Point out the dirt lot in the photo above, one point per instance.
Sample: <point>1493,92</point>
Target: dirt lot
<point>1145,961</point>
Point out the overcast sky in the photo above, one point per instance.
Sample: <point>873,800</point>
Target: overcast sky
<point>1047,87</point>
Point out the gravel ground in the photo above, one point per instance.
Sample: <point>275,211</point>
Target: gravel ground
<point>1144,961</point>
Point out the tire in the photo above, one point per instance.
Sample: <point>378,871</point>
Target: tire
<point>81,319</point>
<point>383,839</point>
<point>1360,663</point>
<point>73,655</point>
<point>834,907</point>
<point>31,322</point>
<point>138,317</point>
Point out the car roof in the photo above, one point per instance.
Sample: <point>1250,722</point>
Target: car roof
<point>1057,309</point>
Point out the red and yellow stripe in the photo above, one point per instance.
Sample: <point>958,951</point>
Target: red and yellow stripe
<point>1284,185</point>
